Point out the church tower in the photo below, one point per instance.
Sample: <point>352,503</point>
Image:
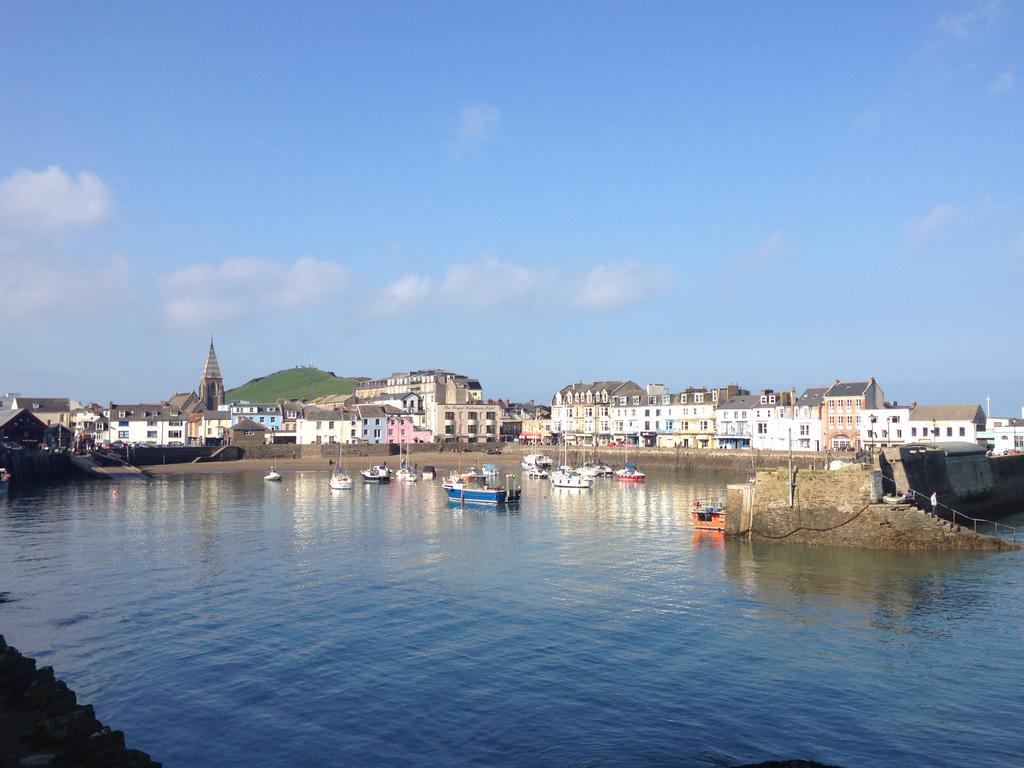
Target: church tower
<point>211,383</point>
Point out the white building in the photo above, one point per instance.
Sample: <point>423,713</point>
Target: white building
<point>882,427</point>
<point>1007,436</point>
<point>146,424</point>
<point>773,421</point>
<point>946,423</point>
<point>318,426</point>
<point>734,421</point>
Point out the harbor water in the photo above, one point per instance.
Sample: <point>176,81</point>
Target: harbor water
<point>223,621</point>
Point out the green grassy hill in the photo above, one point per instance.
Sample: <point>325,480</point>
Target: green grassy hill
<point>292,384</point>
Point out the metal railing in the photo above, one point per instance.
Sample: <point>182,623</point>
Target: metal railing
<point>970,522</point>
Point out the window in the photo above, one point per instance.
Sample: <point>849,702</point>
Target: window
<point>805,430</point>
<point>636,399</point>
<point>174,434</point>
<point>319,424</point>
<point>913,431</point>
<point>762,428</point>
<point>123,435</point>
<point>174,423</point>
<point>949,432</point>
<point>490,414</point>
<point>899,433</point>
<point>122,424</point>
<point>151,434</point>
<point>449,430</point>
<point>261,420</point>
<point>471,415</point>
<point>963,431</point>
<point>665,399</point>
<point>490,429</point>
<point>472,429</point>
<point>698,397</point>
<point>647,412</point>
<point>150,423</point>
<point>449,415</point>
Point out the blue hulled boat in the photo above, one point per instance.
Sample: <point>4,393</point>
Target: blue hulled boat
<point>477,488</point>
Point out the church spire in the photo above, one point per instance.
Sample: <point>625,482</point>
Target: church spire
<point>211,383</point>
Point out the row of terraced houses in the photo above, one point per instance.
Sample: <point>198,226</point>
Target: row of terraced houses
<point>846,415</point>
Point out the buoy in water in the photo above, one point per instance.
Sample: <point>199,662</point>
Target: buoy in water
<point>114,493</point>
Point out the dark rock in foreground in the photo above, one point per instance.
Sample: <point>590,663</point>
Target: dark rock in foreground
<point>42,724</point>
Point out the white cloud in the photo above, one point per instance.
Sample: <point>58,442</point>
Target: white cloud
<point>1005,82</point>
<point>621,284</point>
<point>481,282</point>
<point>405,293</point>
<point>765,254</point>
<point>49,201</point>
<point>973,22</point>
<point>479,121</point>
<point>921,228</point>
<point>207,294</point>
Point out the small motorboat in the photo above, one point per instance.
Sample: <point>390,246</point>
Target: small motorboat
<point>630,474</point>
<point>598,469</point>
<point>566,477</point>
<point>894,498</point>
<point>491,469</point>
<point>538,473</point>
<point>429,473</point>
<point>377,474</point>
<point>5,480</point>
<point>273,475</point>
<point>707,516</point>
<point>536,460</point>
<point>340,481</point>
<point>478,488</point>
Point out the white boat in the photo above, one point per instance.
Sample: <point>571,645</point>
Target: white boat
<point>538,473</point>
<point>339,480</point>
<point>538,460</point>
<point>5,480</point>
<point>566,477</point>
<point>376,474</point>
<point>273,475</point>
<point>429,473</point>
<point>405,474</point>
<point>599,469</point>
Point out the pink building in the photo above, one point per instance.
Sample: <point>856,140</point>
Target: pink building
<point>403,431</point>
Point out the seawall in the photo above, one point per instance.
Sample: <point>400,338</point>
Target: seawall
<point>42,723</point>
<point>841,509</point>
<point>30,467</point>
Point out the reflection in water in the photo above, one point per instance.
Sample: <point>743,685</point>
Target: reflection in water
<point>594,627</point>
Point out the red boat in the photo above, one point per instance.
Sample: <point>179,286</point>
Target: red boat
<point>630,474</point>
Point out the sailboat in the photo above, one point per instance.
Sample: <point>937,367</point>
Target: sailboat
<point>339,480</point>
<point>406,473</point>
<point>567,477</point>
<point>273,475</point>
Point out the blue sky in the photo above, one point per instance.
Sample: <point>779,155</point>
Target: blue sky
<point>691,194</point>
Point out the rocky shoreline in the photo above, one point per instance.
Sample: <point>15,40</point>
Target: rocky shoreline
<point>42,724</point>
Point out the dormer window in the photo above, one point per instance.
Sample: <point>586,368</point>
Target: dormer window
<point>698,397</point>
<point>771,399</point>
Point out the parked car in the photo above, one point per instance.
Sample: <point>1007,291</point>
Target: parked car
<point>493,452</point>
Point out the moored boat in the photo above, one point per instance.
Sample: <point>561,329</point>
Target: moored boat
<point>478,488</point>
<point>566,477</point>
<point>376,474</point>
<point>630,474</point>
<point>5,480</point>
<point>273,475</point>
<point>429,473</point>
<point>536,460</point>
<point>538,473</point>
<point>707,516</point>
<point>596,469</point>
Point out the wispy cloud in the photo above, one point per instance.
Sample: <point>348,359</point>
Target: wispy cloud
<point>766,254</point>
<point>1005,82</point>
<point>405,293</point>
<point>207,294</point>
<point>46,202</point>
<point>480,282</point>
<point>973,22</point>
<point>478,121</point>
<point>921,228</point>
<point>622,284</point>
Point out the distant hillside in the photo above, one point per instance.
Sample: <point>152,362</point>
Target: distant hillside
<point>292,384</point>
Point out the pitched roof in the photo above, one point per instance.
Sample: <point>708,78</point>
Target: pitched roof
<point>43,403</point>
<point>964,412</point>
<point>6,416</point>
<point>248,425</point>
<point>740,402</point>
<point>847,388</point>
<point>211,370</point>
<point>812,396</point>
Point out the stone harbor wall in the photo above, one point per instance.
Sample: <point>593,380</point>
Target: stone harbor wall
<point>42,724</point>
<point>28,467</point>
<point>841,509</point>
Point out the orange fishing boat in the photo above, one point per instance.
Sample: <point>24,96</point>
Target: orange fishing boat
<point>707,516</point>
